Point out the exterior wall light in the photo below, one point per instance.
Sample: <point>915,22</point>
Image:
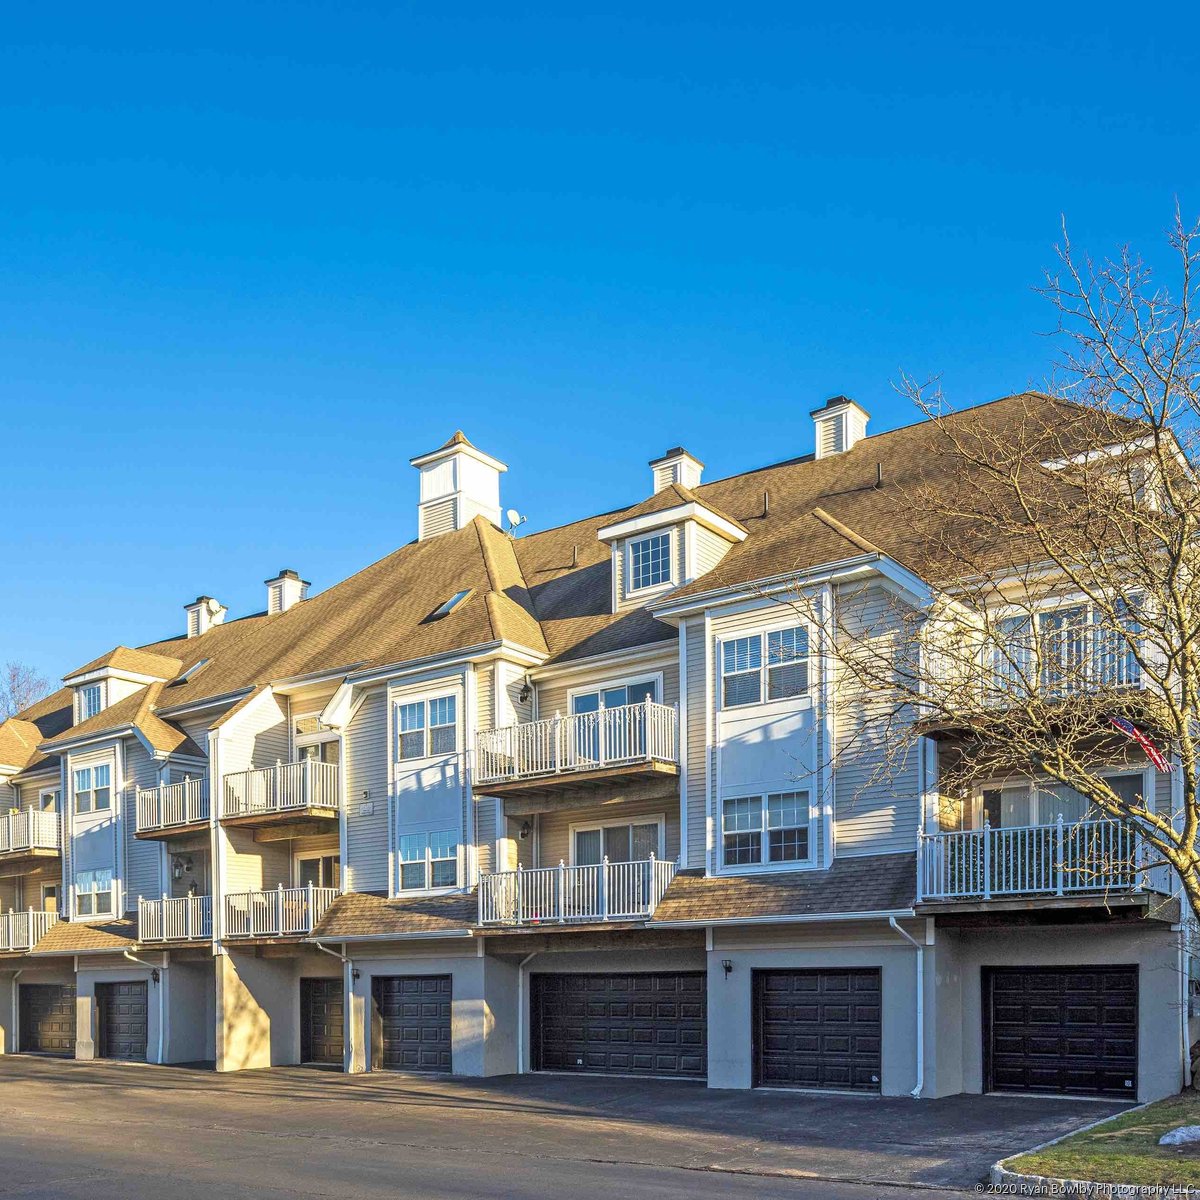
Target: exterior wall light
<point>727,966</point>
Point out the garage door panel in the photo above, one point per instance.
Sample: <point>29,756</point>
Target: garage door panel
<point>1064,1030</point>
<point>122,1020</point>
<point>632,1024</point>
<point>818,1028</point>
<point>322,1020</point>
<point>47,1018</point>
<point>414,1013</point>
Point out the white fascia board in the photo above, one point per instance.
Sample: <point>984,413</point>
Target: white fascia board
<point>673,516</point>
<point>666,650</point>
<point>795,919</point>
<point>107,735</point>
<point>1114,450</point>
<point>112,673</point>
<point>460,448</point>
<point>224,700</point>
<point>423,935</point>
<point>292,683</point>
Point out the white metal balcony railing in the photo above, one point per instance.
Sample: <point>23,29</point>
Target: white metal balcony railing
<point>1034,860</point>
<point>173,804</point>
<point>621,891</point>
<point>284,787</point>
<point>23,930</point>
<point>610,737</point>
<point>284,912</point>
<point>175,919</point>
<point>31,829</point>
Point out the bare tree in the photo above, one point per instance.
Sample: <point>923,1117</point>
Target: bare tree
<point>20,686</point>
<point>1060,534</point>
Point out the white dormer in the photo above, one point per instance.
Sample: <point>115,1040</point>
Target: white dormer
<point>202,614</point>
<point>285,591</point>
<point>458,484</point>
<point>840,424</point>
<point>676,466</point>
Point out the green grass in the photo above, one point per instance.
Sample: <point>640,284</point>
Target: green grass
<point>1125,1149</point>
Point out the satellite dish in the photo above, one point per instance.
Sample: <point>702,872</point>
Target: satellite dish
<point>514,517</point>
<point>213,606</point>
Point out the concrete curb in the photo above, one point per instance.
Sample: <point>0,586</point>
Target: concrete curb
<point>1015,1183</point>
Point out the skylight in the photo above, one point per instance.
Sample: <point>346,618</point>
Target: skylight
<point>458,598</point>
<point>190,671</point>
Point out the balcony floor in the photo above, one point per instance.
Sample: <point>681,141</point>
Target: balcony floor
<point>172,831</point>
<point>1138,906</point>
<point>16,862</point>
<point>576,782</point>
<point>280,826</point>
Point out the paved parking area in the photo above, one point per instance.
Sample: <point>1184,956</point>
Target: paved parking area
<point>96,1130</point>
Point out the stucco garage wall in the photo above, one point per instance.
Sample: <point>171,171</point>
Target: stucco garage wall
<point>54,971</point>
<point>113,969</point>
<point>191,1012</point>
<point>1153,948</point>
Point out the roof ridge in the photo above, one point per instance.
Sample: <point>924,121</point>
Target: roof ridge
<point>845,531</point>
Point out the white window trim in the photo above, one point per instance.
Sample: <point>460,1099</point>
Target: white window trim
<point>83,714</point>
<point>804,699</point>
<point>107,914</point>
<point>459,863</point>
<point>650,818</point>
<point>1001,783</point>
<point>112,788</point>
<point>672,535</point>
<point>655,677</point>
<point>399,702</point>
<point>43,793</point>
<point>811,863</point>
<point>315,856</point>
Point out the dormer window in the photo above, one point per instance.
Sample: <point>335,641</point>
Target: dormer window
<point>91,701</point>
<point>650,561</point>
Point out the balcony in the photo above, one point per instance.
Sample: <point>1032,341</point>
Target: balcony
<point>626,744</point>
<point>284,801</point>
<point>21,931</point>
<point>171,919</point>
<point>172,809</point>
<point>1061,860</point>
<point>628,891</point>
<point>284,912</point>
<point>30,834</point>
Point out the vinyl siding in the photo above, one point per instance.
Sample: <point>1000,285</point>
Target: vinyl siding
<point>197,730</point>
<point>365,752</point>
<point>679,566</point>
<point>251,866</point>
<point>483,827</point>
<point>143,859</point>
<point>554,842</point>
<point>710,549</point>
<point>696,747</point>
<point>553,694</point>
<point>876,790</point>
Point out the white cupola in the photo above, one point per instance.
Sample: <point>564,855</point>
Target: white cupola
<point>840,424</point>
<point>284,591</point>
<point>458,483</point>
<point>676,466</point>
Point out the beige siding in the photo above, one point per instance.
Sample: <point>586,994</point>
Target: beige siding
<point>710,549</point>
<point>696,748</point>
<point>484,822</point>
<point>553,695</point>
<point>679,567</point>
<point>251,866</point>
<point>554,839</point>
<point>10,894</point>
<point>366,764</point>
<point>876,793</point>
<point>197,729</point>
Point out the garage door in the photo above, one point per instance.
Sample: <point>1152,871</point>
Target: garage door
<point>321,1020</point>
<point>413,1013</point>
<point>121,1020</point>
<point>621,1024</point>
<point>47,1018</point>
<point>1071,1031</point>
<point>818,1029</point>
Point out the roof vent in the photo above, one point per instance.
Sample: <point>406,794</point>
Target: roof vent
<point>840,425</point>
<point>284,591</point>
<point>676,466</point>
<point>202,614</point>
<point>458,484</point>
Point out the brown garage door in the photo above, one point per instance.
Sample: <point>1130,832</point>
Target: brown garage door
<point>121,1020</point>
<point>322,1013</point>
<point>818,1029</point>
<point>1066,1030</point>
<point>47,1018</point>
<point>637,1024</point>
<point>413,1014</point>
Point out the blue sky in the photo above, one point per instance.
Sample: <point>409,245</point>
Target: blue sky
<point>254,257</point>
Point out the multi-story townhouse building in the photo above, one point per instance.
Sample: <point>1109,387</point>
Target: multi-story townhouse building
<point>591,799</point>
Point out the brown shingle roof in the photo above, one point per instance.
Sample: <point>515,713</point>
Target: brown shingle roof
<point>136,711</point>
<point>359,915</point>
<point>875,883</point>
<point>73,937</point>
<point>140,662</point>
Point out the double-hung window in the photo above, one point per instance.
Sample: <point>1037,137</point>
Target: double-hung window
<point>748,675</point>
<point>94,893</point>
<point>428,860</point>
<point>93,788</point>
<point>763,830</point>
<point>89,701</point>
<point>427,727</point>
<point>649,561</point>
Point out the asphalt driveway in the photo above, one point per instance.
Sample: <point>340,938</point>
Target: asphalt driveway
<point>92,1130</point>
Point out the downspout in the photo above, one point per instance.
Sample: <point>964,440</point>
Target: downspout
<point>348,978</point>
<point>162,990</point>
<point>521,1011</point>
<point>916,1092</point>
<point>16,1019</point>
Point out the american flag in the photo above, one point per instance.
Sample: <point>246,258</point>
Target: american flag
<point>1153,753</point>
